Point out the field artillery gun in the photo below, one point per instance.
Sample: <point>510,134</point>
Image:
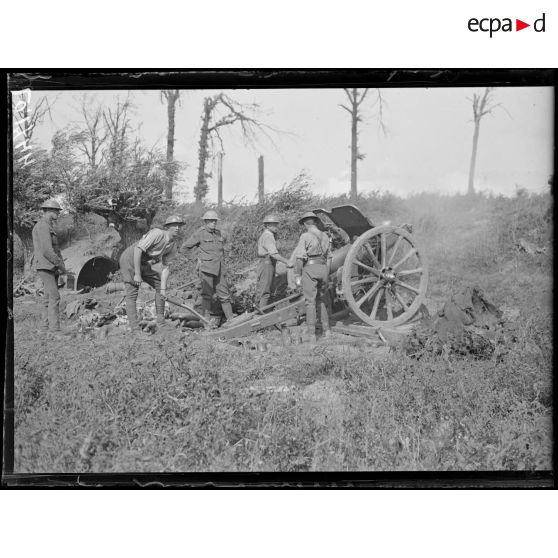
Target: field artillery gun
<point>377,274</point>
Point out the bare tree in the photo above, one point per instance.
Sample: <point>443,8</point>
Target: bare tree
<point>28,118</point>
<point>91,138</point>
<point>220,111</point>
<point>356,98</point>
<point>482,105</point>
<point>118,126</point>
<point>127,185</point>
<point>172,96</point>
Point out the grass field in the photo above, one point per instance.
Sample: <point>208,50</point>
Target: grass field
<point>166,404</point>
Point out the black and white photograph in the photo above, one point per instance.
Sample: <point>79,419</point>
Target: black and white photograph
<point>351,278</point>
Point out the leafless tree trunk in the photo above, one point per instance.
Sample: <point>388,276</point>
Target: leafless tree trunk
<point>118,125</point>
<point>355,119</point>
<point>200,189</point>
<point>261,191</point>
<point>213,120</point>
<point>130,232</point>
<point>356,98</point>
<point>91,140</point>
<point>172,96</point>
<point>471,186</point>
<point>220,180</point>
<point>482,105</point>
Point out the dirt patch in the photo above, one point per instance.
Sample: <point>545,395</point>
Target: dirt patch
<point>323,402</point>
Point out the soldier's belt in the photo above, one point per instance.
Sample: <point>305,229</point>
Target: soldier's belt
<point>320,261</point>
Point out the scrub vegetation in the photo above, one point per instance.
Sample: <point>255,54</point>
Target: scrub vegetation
<point>176,402</point>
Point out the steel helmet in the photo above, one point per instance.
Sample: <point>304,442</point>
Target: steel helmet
<point>307,215</point>
<point>174,220</point>
<point>271,218</point>
<point>210,215</point>
<point>51,204</point>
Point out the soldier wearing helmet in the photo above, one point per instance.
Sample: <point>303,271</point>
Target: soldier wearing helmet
<point>49,263</point>
<point>210,242</point>
<point>136,261</point>
<point>268,256</point>
<point>313,263</point>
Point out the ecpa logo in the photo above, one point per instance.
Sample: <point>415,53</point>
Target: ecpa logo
<point>494,24</point>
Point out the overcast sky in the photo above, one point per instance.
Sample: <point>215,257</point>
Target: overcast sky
<point>427,146</point>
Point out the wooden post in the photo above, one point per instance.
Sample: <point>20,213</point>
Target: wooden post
<point>471,185</point>
<point>260,179</point>
<point>354,148</point>
<point>220,180</point>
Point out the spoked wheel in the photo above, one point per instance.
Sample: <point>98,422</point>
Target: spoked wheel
<point>384,277</point>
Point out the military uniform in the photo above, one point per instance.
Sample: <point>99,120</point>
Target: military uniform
<point>49,265</point>
<point>314,250</point>
<point>267,248</point>
<point>155,246</point>
<point>212,271</point>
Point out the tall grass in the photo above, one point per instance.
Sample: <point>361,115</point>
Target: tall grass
<point>166,405</point>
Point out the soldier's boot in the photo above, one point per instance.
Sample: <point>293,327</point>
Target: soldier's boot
<point>206,307</point>
<point>206,311</point>
<point>131,297</point>
<point>228,311</point>
<point>162,325</point>
<point>311,323</point>
<point>43,327</point>
<point>159,309</point>
<point>310,336</point>
<point>324,319</point>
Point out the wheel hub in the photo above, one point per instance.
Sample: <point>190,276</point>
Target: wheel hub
<point>387,275</point>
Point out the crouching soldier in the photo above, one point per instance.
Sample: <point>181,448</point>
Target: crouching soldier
<point>49,264</point>
<point>313,263</point>
<point>268,257</point>
<point>211,256</point>
<point>135,265</point>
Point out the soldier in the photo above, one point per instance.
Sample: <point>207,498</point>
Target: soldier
<point>313,263</point>
<point>49,264</point>
<point>269,256</point>
<point>135,264</point>
<point>211,253</point>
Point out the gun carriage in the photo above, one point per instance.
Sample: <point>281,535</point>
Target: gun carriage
<point>378,275</point>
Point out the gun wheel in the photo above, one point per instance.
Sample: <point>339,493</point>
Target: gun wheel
<point>384,278</point>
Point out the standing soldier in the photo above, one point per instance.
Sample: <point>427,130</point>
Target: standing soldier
<point>211,258</point>
<point>49,264</point>
<point>269,256</point>
<point>135,264</point>
<point>313,263</point>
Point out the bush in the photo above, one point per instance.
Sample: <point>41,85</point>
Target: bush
<point>242,223</point>
<point>524,216</point>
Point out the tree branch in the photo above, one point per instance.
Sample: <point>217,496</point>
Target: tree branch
<point>363,95</point>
